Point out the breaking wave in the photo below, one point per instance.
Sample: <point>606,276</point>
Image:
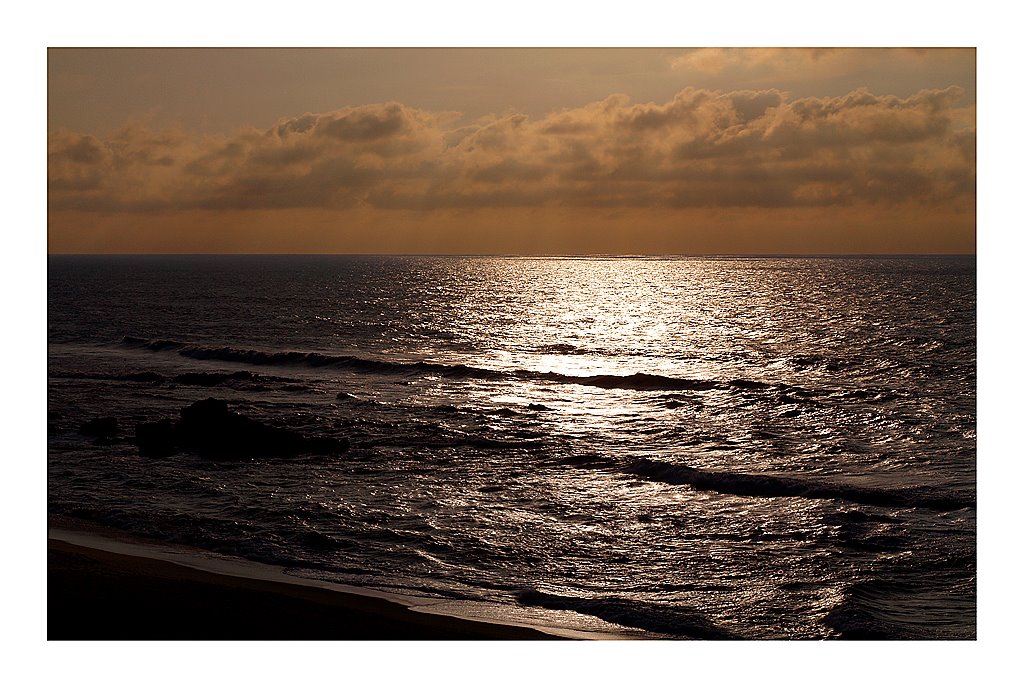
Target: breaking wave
<point>635,381</point>
<point>656,618</point>
<point>764,485</point>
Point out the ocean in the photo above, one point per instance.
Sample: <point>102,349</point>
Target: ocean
<point>712,448</point>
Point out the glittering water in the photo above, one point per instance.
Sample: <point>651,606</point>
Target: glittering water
<point>760,448</point>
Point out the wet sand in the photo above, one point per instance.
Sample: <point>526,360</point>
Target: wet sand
<point>95,594</point>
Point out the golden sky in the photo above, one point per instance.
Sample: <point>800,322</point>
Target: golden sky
<point>535,151</point>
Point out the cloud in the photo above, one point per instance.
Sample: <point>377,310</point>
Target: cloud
<point>701,149</point>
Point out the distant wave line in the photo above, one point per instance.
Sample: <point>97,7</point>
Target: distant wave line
<point>635,381</point>
<point>765,485</point>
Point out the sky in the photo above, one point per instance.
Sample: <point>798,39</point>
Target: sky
<point>522,151</point>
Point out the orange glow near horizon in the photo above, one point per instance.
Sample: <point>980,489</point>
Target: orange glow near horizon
<point>742,151</point>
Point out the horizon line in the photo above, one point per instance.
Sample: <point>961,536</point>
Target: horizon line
<point>524,255</point>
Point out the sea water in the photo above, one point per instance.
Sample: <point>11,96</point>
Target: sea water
<point>667,447</point>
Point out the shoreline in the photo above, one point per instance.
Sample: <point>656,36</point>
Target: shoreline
<point>108,585</point>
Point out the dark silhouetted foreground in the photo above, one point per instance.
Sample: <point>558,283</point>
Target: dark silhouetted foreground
<point>97,595</point>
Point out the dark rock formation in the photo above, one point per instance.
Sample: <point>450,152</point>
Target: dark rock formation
<point>210,429</point>
<point>156,439</point>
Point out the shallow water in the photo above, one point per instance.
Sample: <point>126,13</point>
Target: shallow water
<point>731,447</point>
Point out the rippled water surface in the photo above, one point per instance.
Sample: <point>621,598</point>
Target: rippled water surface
<point>713,448</point>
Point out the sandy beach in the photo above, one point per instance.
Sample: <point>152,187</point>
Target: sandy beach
<point>97,594</point>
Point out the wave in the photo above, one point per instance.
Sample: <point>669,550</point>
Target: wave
<point>879,609</point>
<point>190,379</point>
<point>472,441</point>
<point>596,461</point>
<point>764,485</point>
<point>634,381</point>
<point>643,382</point>
<point>300,358</point>
<point>646,382</point>
<point>655,618</point>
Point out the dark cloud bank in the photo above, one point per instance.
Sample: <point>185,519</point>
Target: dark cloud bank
<point>702,149</point>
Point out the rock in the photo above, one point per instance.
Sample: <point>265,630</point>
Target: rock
<point>210,429</point>
<point>156,439</point>
<point>99,427</point>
